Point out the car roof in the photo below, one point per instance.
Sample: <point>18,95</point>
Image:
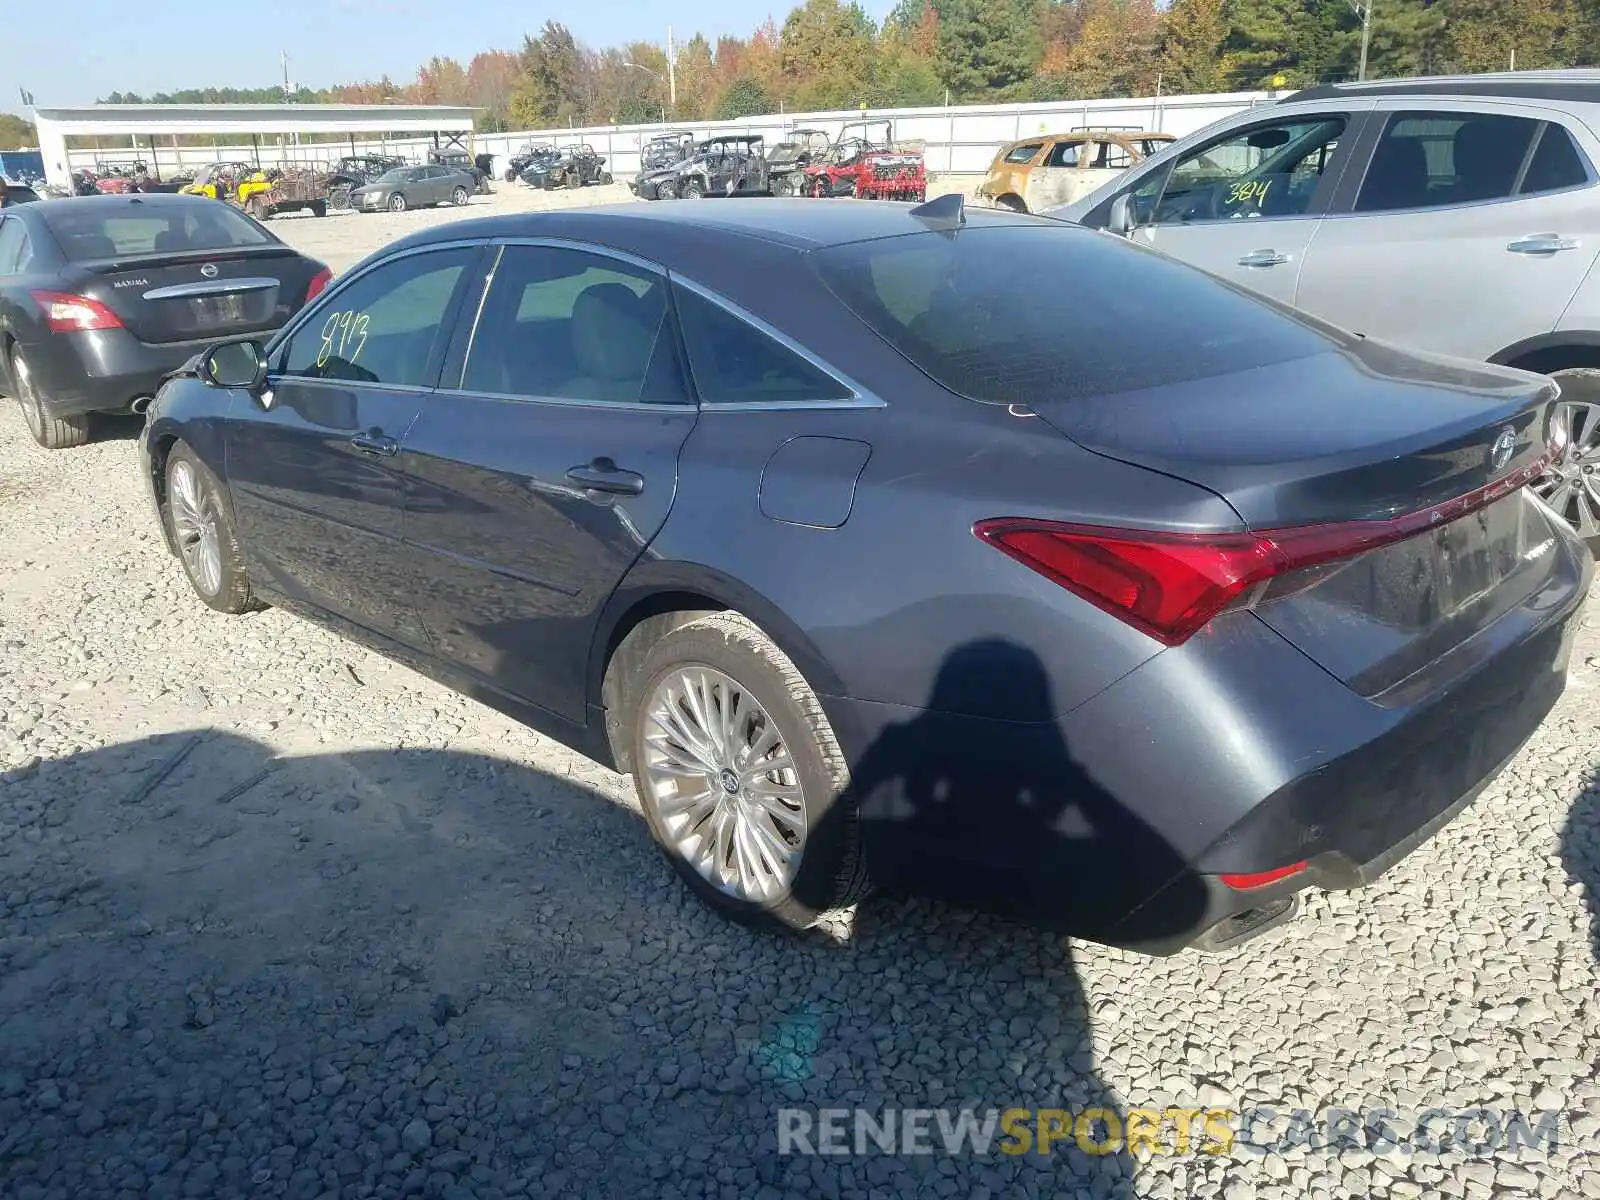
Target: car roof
<point>648,229</point>
<point>1574,85</point>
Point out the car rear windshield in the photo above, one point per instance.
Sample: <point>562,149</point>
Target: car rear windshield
<point>1022,314</point>
<point>91,231</point>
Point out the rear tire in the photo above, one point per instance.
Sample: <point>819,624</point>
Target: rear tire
<point>511,176</point>
<point>775,844</point>
<point>51,432</point>
<point>255,208</point>
<point>459,196</point>
<point>1010,204</point>
<point>574,180</point>
<point>319,208</point>
<point>605,178</point>
<point>200,524</point>
<point>667,191</point>
<point>692,190</point>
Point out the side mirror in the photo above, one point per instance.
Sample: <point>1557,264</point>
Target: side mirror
<point>1120,220</point>
<point>234,365</point>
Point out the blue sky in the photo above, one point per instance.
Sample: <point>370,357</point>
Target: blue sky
<point>74,51</point>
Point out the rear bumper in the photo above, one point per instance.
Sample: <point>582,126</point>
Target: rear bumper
<point>103,371</point>
<point>1231,754</point>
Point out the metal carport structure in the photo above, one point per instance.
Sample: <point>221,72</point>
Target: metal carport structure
<point>449,126</point>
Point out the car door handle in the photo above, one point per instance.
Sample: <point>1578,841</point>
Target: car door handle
<point>1263,258</point>
<point>375,443</point>
<point>1542,243</point>
<point>603,475</point>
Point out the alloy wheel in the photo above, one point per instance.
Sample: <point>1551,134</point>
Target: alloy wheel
<point>1571,484</point>
<point>28,397</point>
<point>723,784</point>
<point>194,525</point>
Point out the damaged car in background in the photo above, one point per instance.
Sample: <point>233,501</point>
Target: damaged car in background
<point>787,161</point>
<point>734,164</point>
<point>1037,173</point>
<point>572,167</point>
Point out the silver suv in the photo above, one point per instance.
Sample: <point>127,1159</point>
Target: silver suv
<point>1459,215</point>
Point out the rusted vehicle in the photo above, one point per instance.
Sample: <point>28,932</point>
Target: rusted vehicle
<point>659,161</point>
<point>1041,172</point>
<point>788,160</point>
<point>866,162</point>
<point>287,187</point>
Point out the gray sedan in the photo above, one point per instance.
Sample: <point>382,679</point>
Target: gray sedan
<point>414,187</point>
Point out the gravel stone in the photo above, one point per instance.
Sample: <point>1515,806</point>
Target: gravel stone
<point>367,938</point>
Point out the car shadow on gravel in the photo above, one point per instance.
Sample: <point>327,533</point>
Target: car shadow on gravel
<point>1580,854</point>
<point>413,971</point>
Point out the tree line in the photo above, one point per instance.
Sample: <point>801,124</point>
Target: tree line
<point>828,54</point>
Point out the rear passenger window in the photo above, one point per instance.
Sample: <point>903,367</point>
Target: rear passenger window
<point>1065,154</point>
<point>567,324</point>
<point>1111,156</point>
<point>1557,163</point>
<point>1431,159</point>
<point>733,362</point>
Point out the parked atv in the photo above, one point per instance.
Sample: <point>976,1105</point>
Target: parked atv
<point>788,160</point>
<point>731,165</point>
<point>575,166</point>
<point>658,163</point>
<point>218,180</point>
<point>529,154</point>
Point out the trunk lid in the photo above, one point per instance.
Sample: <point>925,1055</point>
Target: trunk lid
<point>187,295</point>
<point>1361,435</point>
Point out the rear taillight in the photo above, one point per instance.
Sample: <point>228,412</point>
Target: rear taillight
<point>318,281</point>
<point>1260,879</point>
<point>65,313</point>
<point>1170,585</point>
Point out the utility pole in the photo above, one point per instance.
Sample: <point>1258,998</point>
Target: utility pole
<point>1363,9</point>
<point>672,73</point>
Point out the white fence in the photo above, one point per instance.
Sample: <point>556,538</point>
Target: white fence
<point>961,138</point>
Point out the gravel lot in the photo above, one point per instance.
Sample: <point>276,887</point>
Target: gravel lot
<point>279,917</point>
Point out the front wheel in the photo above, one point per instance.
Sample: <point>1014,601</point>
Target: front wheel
<point>201,526</point>
<point>693,190</point>
<point>319,208</point>
<point>397,202</point>
<point>51,432</point>
<point>605,178</point>
<point>458,197</point>
<point>666,191</point>
<point>574,180</point>
<point>255,208</point>
<point>741,778</point>
<point>1571,484</point>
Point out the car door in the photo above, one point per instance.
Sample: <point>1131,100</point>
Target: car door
<point>1245,203</point>
<point>315,467</point>
<point>1471,230</point>
<point>537,478</point>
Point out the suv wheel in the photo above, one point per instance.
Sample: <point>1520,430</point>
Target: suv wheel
<point>667,190</point>
<point>693,190</point>
<point>740,776</point>
<point>1571,485</point>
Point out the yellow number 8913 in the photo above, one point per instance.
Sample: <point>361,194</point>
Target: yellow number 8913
<point>338,332</point>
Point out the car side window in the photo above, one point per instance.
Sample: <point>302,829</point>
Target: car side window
<point>1432,159</point>
<point>1024,153</point>
<point>568,324</point>
<point>1268,170</point>
<point>1557,163</point>
<point>1111,156</point>
<point>1064,154</point>
<point>14,252</point>
<point>733,362</point>
<point>383,327</point>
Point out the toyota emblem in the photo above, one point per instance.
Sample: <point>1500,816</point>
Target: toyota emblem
<point>1504,447</point>
<point>209,270</point>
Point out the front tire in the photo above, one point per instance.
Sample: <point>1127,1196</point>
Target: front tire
<point>397,202</point>
<point>1571,485</point>
<point>200,523</point>
<point>692,190</point>
<point>667,191</point>
<point>459,197</point>
<point>51,432</point>
<point>319,208</point>
<point>605,179</point>
<point>1010,204</point>
<point>740,776</point>
<point>574,180</point>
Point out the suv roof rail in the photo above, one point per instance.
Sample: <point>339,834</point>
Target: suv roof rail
<point>1578,84</point>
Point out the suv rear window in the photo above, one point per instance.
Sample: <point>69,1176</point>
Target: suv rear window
<point>1019,314</point>
<point>94,231</point>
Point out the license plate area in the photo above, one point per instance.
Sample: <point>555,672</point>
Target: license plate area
<point>218,310</point>
<point>1475,554</point>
